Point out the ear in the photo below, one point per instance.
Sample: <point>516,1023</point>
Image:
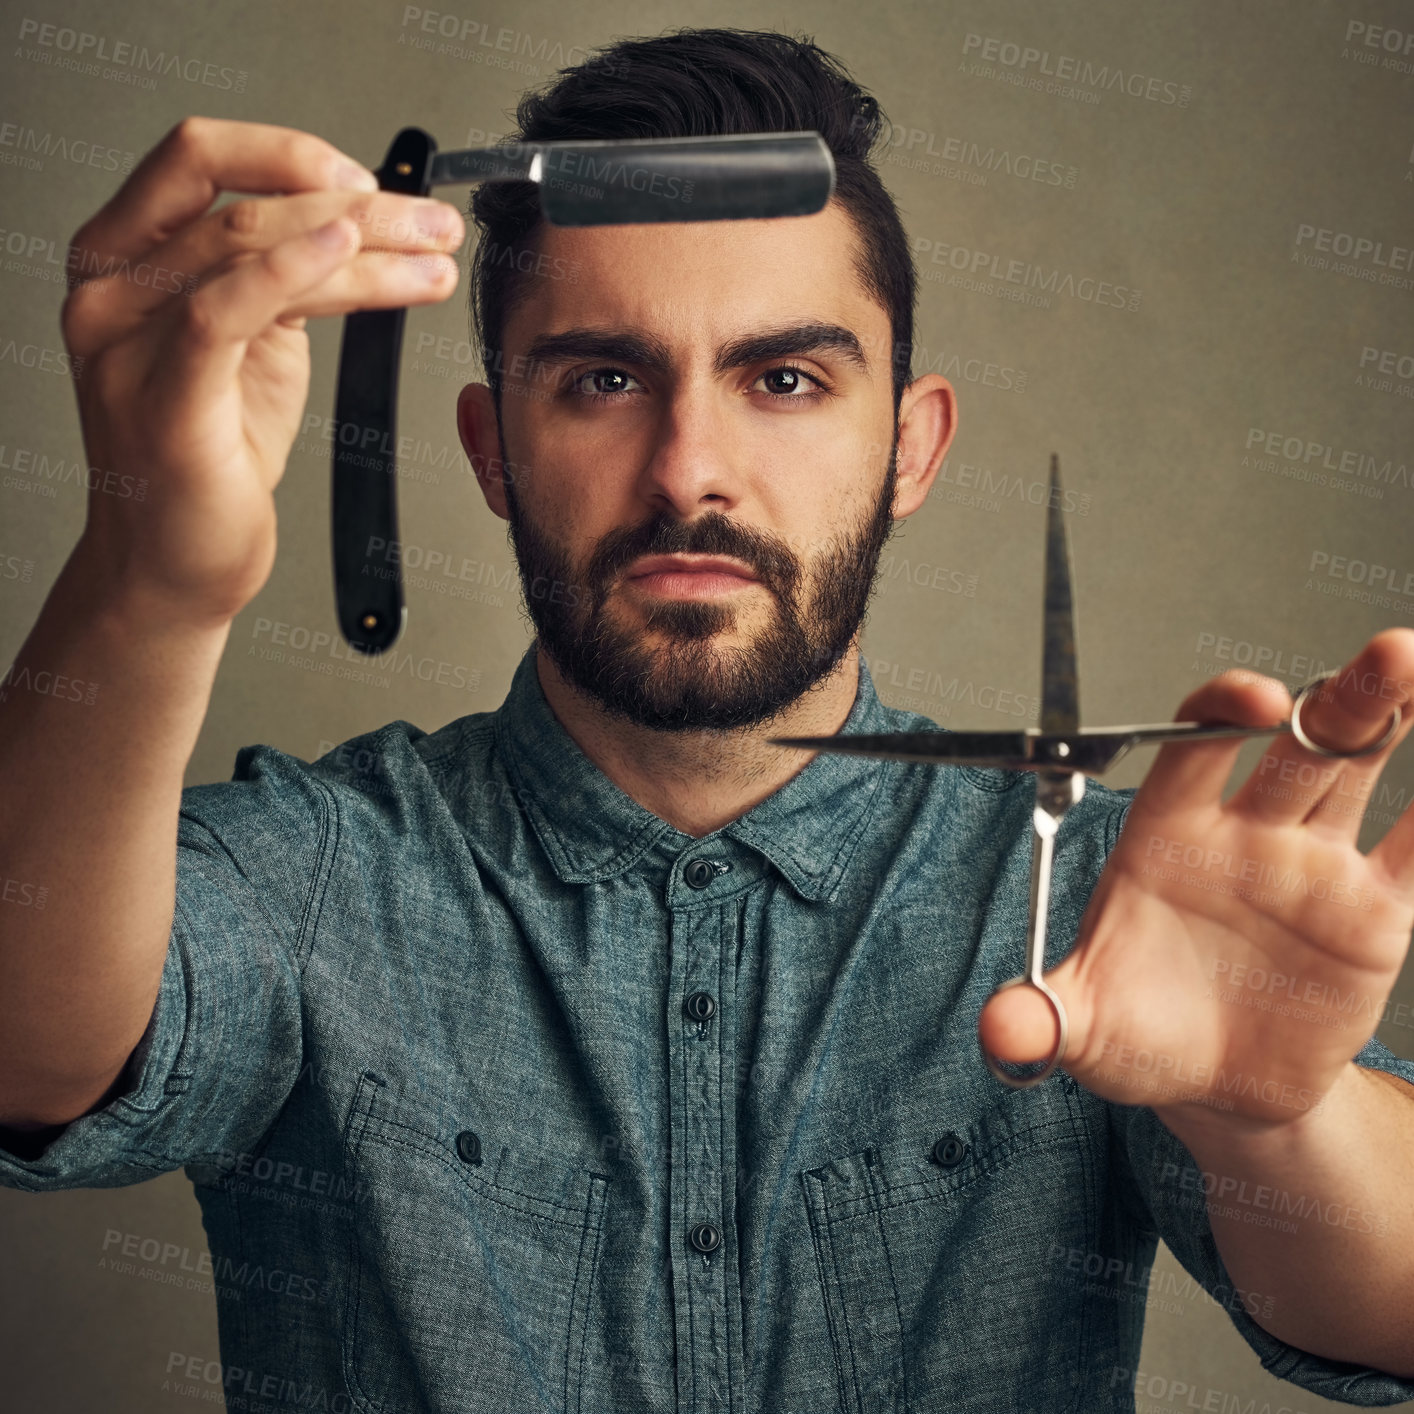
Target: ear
<point>927,422</point>
<point>481,438</point>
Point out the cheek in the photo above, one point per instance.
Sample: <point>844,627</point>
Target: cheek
<point>571,531</point>
<point>557,507</point>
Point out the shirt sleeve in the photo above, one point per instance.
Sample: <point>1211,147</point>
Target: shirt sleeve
<point>1162,1181</point>
<point>224,1046</point>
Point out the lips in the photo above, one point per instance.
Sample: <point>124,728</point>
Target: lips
<point>688,564</point>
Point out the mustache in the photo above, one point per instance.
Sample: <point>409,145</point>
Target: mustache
<point>709,534</point>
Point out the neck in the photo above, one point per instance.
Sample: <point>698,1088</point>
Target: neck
<point>699,781</point>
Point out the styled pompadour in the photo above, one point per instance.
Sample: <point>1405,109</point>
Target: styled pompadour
<point>699,83</point>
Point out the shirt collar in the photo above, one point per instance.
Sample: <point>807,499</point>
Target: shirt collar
<point>591,830</point>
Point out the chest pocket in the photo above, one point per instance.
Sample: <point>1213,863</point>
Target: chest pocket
<point>942,1260</point>
<point>469,1281</point>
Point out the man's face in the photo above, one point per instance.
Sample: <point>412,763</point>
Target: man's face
<point>779,458</point>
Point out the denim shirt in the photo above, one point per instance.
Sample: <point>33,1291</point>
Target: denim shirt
<point>499,1093</point>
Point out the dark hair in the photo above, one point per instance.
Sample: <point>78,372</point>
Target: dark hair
<point>700,83</point>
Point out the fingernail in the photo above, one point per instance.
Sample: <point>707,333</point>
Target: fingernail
<point>438,220</point>
<point>352,175</point>
<point>449,222</point>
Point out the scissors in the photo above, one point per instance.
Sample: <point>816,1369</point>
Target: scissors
<point>1061,753</point>
<point>578,183</point>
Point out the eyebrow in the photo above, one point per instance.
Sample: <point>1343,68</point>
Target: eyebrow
<point>623,346</point>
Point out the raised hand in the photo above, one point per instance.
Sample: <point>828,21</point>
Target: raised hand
<point>1235,956</point>
<point>190,324</point>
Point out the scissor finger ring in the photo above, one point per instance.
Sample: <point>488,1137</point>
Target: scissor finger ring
<point>1022,1075</point>
<point>1299,732</point>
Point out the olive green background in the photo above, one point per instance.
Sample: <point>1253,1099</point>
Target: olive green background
<point>1192,554</point>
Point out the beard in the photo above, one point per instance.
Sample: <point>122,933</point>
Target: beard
<point>688,683</point>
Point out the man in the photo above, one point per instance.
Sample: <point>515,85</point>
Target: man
<point>593,1054</point>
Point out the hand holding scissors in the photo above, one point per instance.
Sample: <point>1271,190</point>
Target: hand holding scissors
<point>1061,753</point>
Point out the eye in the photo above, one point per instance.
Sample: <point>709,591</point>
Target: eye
<point>791,385</point>
<point>792,392</point>
<point>607,374</point>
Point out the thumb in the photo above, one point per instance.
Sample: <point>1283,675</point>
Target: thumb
<point>1018,1023</point>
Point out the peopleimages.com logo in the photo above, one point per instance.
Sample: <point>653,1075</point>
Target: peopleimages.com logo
<point>83,52</point>
<point>1064,74</point>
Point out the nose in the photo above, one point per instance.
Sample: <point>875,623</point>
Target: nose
<point>697,460</point>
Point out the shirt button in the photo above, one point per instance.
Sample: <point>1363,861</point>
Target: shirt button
<point>699,874</point>
<point>949,1151</point>
<point>705,1238</point>
<point>700,1006</point>
<point>468,1147</point>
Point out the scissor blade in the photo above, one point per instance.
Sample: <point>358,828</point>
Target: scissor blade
<point>1060,688</point>
<point>1190,731</point>
<point>1091,750</point>
<point>943,748</point>
<point>1006,751</point>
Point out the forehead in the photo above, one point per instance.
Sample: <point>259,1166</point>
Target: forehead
<point>697,281</point>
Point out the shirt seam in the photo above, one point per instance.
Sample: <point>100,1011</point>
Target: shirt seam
<point>490,1190</point>
<point>722,916</point>
<point>873,1180</point>
<point>1086,1316</point>
<point>818,885</point>
<point>159,1164</point>
<point>1114,823</point>
<point>683,1045</point>
<point>331,833</point>
<point>434,1149</point>
<point>300,952</point>
<point>979,1173</point>
<point>564,860</point>
<point>815,1206</point>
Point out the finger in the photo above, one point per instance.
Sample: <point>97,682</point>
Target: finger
<point>184,173</point>
<point>214,326</point>
<point>377,280</point>
<point>386,221</point>
<point>1353,710</point>
<point>1184,773</point>
<point>1017,1025</point>
<point>1395,853</point>
<point>1292,784</point>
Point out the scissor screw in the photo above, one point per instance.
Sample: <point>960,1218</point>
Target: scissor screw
<point>1062,748</point>
<point>403,169</point>
<point>369,621</point>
